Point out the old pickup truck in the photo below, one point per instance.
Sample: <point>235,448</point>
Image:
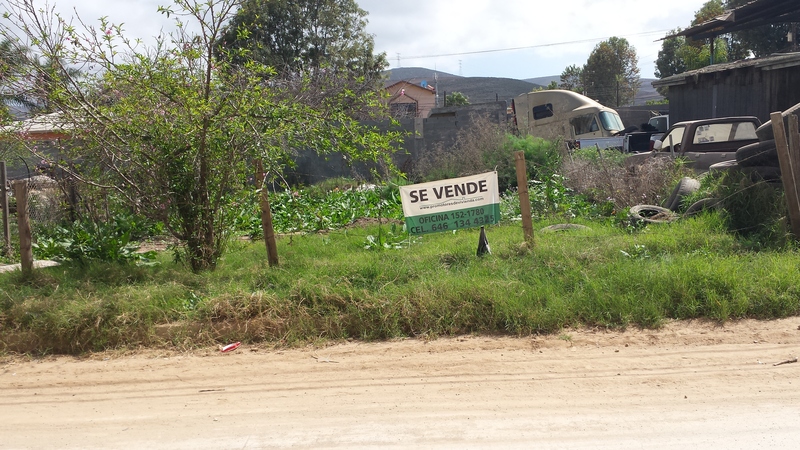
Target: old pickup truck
<point>703,142</point>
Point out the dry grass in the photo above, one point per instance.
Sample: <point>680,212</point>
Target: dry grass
<point>607,179</point>
<point>468,155</point>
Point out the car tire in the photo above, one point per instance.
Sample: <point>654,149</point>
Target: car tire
<point>763,173</point>
<point>701,205</point>
<point>759,154</point>
<point>765,132</point>
<point>684,187</point>
<point>724,166</point>
<point>651,214</point>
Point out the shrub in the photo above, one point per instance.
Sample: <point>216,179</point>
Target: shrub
<point>755,210</point>
<point>466,155</point>
<point>603,177</point>
<point>88,240</point>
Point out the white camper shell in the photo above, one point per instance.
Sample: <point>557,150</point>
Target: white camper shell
<point>556,113</point>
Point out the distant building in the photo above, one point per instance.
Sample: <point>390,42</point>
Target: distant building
<point>408,99</point>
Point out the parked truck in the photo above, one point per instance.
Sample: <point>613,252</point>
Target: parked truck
<point>581,121</point>
<point>556,113</point>
<point>703,142</point>
<point>644,140</point>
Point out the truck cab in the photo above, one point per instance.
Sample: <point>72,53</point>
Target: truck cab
<point>556,113</point>
<point>704,142</point>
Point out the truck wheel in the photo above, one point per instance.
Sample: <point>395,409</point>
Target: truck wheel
<point>684,187</point>
<point>651,214</point>
<point>758,154</point>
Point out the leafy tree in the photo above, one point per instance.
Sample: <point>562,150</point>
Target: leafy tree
<point>761,41</point>
<point>669,61</point>
<point>304,36</point>
<point>12,60</point>
<point>611,74</point>
<point>572,79</point>
<point>173,129</point>
<point>456,99</point>
<point>553,85</point>
<point>322,40</point>
<point>709,10</point>
<point>679,54</point>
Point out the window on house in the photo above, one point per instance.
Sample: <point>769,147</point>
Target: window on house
<point>403,110</point>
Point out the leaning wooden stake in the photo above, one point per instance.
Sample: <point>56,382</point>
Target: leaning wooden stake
<point>24,225</point>
<point>524,199</point>
<point>266,217</point>
<point>789,174</point>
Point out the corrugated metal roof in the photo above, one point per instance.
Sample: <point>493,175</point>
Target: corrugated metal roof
<point>44,127</point>
<point>751,15</point>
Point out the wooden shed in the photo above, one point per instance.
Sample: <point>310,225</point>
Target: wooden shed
<point>751,87</point>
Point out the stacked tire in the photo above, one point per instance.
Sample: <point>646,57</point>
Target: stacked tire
<point>761,159</point>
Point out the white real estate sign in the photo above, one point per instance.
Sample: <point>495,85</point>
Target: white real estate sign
<point>452,204</point>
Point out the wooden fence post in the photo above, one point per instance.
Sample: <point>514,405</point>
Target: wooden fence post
<point>789,175</point>
<point>266,217</point>
<point>24,225</point>
<point>6,250</point>
<point>524,199</point>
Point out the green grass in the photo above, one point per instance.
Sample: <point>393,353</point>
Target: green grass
<point>333,286</point>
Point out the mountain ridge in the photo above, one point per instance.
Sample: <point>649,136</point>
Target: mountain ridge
<point>489,89</point>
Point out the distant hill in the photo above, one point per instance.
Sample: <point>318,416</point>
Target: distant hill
<point>489,89</point>
<point>408,73</point>
<point>477,89</point>
<point>647,92</point>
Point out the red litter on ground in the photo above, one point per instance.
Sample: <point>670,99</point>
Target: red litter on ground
<point>230,347</point>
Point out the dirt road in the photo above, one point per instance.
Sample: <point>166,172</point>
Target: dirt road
<point>689,385</point>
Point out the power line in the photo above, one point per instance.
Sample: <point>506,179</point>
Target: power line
<point>554,44</point>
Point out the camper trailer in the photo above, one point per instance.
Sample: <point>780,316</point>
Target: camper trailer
<point>555,113</point>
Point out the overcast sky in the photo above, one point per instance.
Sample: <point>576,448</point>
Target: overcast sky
<point>493,38</point>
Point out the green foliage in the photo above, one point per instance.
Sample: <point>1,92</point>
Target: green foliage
<point>678,55</point>
<point>174,129</point>
<point>611,74</point>
<point>755,210</point>
<point>330,286</point>
<point>315,209</point>
<point>456,99</point>
<point>572,79</point>
<point>762,41</point>
<point>542,159</point>
<point>303,35</point>
<point>87,240</point>
<point>669,61</point>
